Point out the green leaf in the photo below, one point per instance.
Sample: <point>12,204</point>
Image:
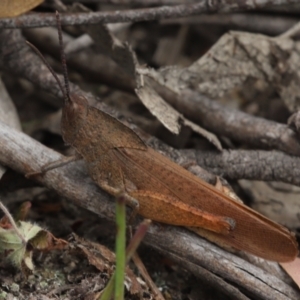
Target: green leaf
<point>13,248</point>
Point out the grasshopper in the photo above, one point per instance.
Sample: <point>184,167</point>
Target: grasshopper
<point>160,190</point>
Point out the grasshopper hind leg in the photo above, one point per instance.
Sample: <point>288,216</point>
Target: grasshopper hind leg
<point>130,201</point>
<point>113,182</point>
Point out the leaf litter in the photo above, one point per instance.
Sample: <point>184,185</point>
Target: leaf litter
<point>232,62</point>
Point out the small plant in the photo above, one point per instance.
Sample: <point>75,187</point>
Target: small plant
<point>18,238</point>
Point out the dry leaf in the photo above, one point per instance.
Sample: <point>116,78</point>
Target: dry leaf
<point>104,260</point>
<point>44,240</point>
<point>159,107</point>
<point>293,269</point>
<point>13,8</point>
<point>237,59</point>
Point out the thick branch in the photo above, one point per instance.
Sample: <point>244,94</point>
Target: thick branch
<point>261,23</point>
<point>236,125</point>
<point>134,15</point>
<point>247,164</point>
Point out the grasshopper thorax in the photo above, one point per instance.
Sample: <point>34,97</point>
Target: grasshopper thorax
<point>74,116</point>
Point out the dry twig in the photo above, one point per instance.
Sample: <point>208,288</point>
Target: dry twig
<point>135,15</point>
<point>249,164</point>
<point>236,125</point>
<point>251,22</point>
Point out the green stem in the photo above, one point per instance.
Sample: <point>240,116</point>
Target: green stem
<point>133,244</point>
<point>120,248</point>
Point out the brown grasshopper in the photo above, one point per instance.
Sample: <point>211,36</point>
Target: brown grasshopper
<point>119,161</point>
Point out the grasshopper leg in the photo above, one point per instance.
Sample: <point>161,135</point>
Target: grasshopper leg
<point>130,201</point>
<point>53,165</point>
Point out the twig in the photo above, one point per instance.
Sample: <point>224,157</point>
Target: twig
<point>135,15</point>
<point>144,273</point>
<point>291,32</point>
<point>247,164</point>
<point>13,223</point>
<point>236,125</point>
<point>261,23</point>
<point>210,278</point>
<point>137,2</point>
<point>203,261</point>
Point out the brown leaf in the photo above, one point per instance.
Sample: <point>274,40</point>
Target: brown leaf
<point>104,260</point>
<point>46,241</point>
<point>237,59</point>
<point>13,8</point>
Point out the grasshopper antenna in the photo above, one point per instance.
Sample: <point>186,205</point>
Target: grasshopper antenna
<point>65,91</point>
<point>63,58</point>
<point>49,67</point>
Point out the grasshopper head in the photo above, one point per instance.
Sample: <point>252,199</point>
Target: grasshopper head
<point>73,117</point>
